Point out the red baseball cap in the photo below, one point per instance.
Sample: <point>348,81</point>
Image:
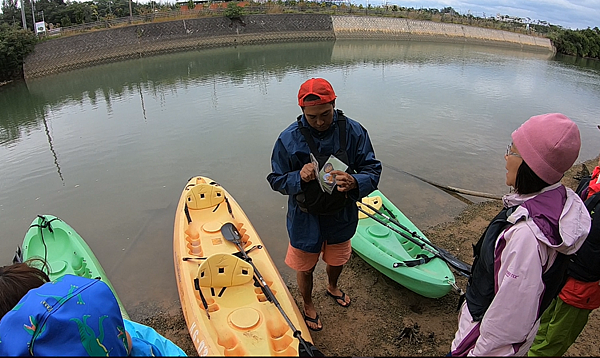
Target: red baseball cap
<point>319,87</point>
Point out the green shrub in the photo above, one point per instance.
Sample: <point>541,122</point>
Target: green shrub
<point>15,44</point>
<point>234,11</point>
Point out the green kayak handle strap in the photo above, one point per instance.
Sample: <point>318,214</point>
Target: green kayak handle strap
<point>421,259</point>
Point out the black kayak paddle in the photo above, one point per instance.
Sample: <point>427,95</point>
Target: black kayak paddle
<point>231,234</point>
<point>461,267</point>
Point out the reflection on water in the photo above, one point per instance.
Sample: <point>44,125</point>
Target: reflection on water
<point>109,148</point>
<point>584,64</point>
<point>353,51</point>
<point>20,112</point>
<point>167,72</point>
<point>47,130</point>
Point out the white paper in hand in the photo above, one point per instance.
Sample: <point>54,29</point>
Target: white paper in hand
<point>326,179</point>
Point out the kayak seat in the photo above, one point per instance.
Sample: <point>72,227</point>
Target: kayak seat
<point>203,195</point>
<point>224,270</point>
<point>374,201</point>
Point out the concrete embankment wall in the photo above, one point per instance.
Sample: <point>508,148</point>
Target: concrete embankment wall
<point>63,54</point>
<point>356,27</point>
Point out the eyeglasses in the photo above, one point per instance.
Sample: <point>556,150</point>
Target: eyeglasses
<point>510,152</point>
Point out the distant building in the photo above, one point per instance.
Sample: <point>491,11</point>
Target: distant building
<point>183,5</point>
<point>507,18</point>
<point>196,2</point>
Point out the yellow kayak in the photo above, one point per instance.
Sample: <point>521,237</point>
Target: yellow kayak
<point>227,308</point>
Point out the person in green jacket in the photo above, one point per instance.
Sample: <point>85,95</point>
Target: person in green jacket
<point>567,315</point>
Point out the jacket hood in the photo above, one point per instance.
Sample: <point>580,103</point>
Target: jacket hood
<point>572,222</point>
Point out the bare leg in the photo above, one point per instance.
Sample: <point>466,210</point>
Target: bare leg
<point>333,274</point>
<point>305,285</point>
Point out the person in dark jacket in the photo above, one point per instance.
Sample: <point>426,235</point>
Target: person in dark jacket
<point>567,315</point>
<point>318,222</point>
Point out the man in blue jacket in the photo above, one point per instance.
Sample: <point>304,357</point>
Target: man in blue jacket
<point>318,222</point>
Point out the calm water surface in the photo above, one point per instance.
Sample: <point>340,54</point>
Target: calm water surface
<point>108,149</point>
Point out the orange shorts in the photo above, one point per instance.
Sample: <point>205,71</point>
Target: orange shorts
<point>334,255</point>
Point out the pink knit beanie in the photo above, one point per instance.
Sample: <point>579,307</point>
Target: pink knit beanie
<point>549,144</point>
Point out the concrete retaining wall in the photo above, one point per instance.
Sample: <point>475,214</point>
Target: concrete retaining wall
<point>63,54</point>
<point>355,27</point>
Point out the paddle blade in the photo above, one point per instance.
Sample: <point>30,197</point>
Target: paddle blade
<point>307,349</point>
<point>462,267</point>
<point>231,233</point>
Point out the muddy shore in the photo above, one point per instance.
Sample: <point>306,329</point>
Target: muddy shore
<point>381,309</point>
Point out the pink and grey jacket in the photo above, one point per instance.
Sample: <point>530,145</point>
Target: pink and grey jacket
<point>523,252</point>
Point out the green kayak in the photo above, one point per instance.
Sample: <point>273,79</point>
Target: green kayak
<point>394,254</point>
<point>53,240</point>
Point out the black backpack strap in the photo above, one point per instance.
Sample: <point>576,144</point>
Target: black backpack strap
<point>582,188</point>
<point>554,279</point>
<point>591,203</point>
<point>309,139</point>
<point>585,264</point>
<point>342,128</point>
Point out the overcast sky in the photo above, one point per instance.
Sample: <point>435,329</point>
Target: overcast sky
<point>573,14</point>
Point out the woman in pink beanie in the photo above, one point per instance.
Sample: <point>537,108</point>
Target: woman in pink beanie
<point>520,260</point>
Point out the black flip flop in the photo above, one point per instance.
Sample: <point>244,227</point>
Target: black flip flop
<point>313,320</point>
<point>342,297</point>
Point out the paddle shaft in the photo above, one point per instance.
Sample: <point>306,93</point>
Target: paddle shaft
<point>462,267</point>
<point>267,290</point>
<point>449,188</point>
<point>396,222</point>
<point>455,263</point>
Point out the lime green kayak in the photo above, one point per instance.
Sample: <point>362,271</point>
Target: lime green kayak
<point>54,241</point>
<point>396,256</point>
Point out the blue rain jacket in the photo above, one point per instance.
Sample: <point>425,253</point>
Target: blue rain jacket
<point>149,343</point>
<point>76,316</point>
<point>307,232</point>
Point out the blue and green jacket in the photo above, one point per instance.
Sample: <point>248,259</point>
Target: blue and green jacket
<point>76,316</point>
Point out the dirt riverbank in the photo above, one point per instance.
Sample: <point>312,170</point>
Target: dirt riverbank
<point>382,310</point>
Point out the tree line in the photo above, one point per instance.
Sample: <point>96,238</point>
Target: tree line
<point>58,13</point>
<point>16,43</point>
<point>580,43</point>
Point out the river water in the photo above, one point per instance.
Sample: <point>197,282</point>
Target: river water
<point>109,148</point>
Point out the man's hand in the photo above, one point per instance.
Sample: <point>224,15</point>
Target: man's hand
<point>307,173</point>
<point>344,181</point>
